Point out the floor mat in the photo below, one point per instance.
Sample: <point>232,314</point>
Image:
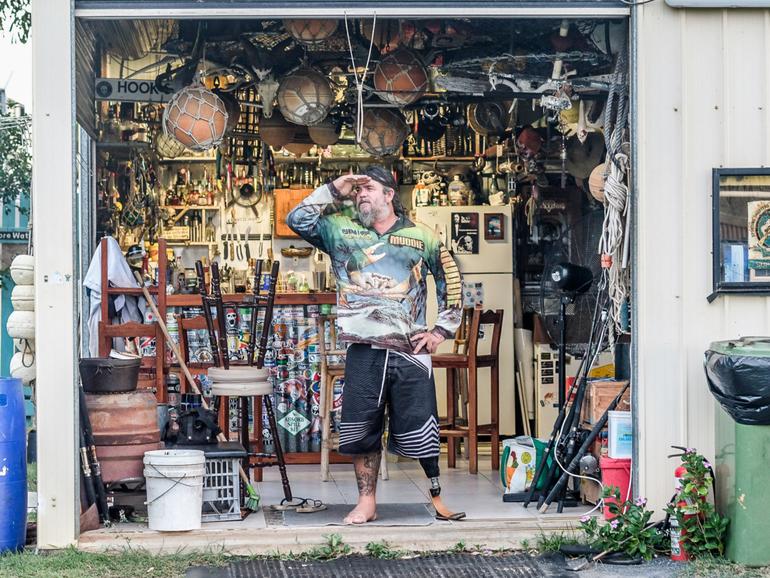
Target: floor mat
<point>444,566</point>
<point>387,515</point>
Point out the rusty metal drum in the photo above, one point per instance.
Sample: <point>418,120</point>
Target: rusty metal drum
<point>124,418</point>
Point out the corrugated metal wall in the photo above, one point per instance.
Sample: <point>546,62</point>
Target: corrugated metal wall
<point>703,102</point>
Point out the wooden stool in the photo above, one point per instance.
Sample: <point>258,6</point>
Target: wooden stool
<point>471,361</point>
<point>330,372</point>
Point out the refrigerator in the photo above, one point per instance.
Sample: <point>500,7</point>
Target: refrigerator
<point>480,239</point>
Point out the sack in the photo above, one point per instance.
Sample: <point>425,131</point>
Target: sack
<point>197,427</point>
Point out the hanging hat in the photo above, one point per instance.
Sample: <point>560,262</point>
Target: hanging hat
<point>275,131</point>
<point>582,158</point>
<point>596,182</point>
<point>325,133</point>
<point>488,118</point>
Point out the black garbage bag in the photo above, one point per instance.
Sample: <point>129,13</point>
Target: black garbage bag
<point>738,375</point>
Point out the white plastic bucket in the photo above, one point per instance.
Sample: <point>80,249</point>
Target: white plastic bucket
<point>174,489</point>
<point>621,435</point>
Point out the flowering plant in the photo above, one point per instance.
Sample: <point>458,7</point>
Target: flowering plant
<point>702,528</point>
<point>629,531</point>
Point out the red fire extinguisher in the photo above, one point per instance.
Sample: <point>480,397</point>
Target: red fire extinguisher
<point>678,553</point>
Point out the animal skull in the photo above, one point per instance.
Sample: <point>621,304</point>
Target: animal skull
<point>267,89</point>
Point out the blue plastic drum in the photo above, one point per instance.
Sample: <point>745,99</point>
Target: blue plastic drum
<point>13,466</point>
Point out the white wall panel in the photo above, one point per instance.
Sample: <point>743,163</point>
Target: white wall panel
<point>704,86</point>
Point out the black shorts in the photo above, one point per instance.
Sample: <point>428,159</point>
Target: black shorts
<point>379,378</point>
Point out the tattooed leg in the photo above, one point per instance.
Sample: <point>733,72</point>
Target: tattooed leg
<point>367,467</point>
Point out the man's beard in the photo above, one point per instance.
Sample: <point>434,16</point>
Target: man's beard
<point>371,214</point>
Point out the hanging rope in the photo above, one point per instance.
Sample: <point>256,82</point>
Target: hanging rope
<point>613,245</point>
<point>360,81</point>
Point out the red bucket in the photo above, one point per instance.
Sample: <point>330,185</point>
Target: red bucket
<point>616,472</point>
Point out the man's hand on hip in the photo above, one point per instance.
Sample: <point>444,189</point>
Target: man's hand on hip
<point>427,342</point>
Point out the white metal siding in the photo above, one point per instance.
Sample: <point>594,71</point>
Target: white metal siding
<point>703,94</point>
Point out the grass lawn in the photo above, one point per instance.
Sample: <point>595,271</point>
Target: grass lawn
<point>127,564</point>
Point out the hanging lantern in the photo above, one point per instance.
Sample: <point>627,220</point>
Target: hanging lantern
<point>267,89</point>
<point>310,32</point>
<point>196,117</point>
<point>384,131</point>
<point>275,131</point>
<point>168,147</point>
<point>400,78</point>
<point>324,133</point>
<point>305,97</point>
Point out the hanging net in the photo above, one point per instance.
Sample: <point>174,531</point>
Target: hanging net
<point>400,78</point>
<point>196,117</point>
<point>383,132</point>
<point>305,97</point>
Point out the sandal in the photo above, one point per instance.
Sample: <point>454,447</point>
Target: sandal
<point>310,506</point>
<point>453,517</point>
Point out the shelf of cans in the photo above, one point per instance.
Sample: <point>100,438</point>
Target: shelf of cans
<point>293,361</point>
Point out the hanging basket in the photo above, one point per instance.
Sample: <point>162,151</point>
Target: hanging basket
<point>196,117</point>
<point>400,78</point>
<point>305,97</point>
<point>384,131</point>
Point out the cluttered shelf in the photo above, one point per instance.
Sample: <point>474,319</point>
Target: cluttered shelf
<point>319,298</point>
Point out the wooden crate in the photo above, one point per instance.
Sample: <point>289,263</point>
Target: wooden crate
<point>600,394</point>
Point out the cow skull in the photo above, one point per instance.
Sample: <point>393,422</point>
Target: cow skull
<point>267,89</point>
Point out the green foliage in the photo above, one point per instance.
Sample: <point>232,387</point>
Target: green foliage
<point>710,567</point>
<point>629,531</point>
<point>459,547</point>
<point>15,161</point>
<point>702,527</point>
<point>553,542</point>
<point>334,548</point>
<point>15,19</point>
<point>382,551</point>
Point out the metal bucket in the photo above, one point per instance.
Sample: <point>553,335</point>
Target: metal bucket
<point>107,375</point>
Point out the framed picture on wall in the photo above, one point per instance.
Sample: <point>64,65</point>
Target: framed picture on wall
<point>741,231</point>
<point>494,227</point>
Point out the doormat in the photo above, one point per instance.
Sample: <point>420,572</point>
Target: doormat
<point>334,514</point>
<point>444,565</point>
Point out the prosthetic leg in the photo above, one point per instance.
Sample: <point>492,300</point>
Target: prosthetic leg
<point>431,469</point>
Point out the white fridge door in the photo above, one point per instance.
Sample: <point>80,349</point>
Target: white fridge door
<point>498,294</point>
<point>494,256</point>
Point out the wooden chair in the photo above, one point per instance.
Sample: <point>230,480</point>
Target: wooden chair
<point>471,361</point>
<point>153,367</point>
<point>156,366</point>
<point>331,370</point>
